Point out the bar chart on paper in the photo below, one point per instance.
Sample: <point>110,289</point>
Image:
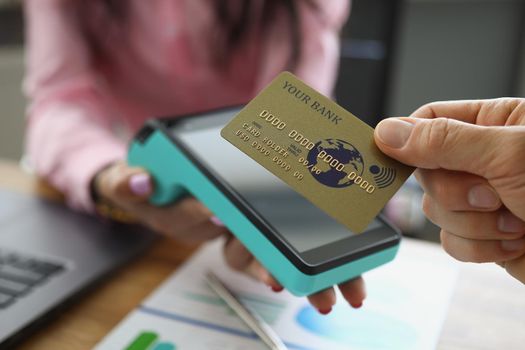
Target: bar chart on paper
<point>406,305</point>
<point>149,341</point>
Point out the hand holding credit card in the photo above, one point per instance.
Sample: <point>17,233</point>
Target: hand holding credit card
<point>319,149</point>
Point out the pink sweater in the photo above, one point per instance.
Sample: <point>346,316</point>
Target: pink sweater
<point>87,100</point>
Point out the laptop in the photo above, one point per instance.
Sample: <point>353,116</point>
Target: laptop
<point>49,255</point>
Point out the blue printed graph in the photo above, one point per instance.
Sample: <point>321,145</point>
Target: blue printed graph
<point>357,328</point>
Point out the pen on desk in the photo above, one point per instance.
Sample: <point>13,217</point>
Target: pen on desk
<point>256,323</point>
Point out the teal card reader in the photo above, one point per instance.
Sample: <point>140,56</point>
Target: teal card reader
<point>300,245</point>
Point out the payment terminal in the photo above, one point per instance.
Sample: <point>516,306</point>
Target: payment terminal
<point>300,245</point>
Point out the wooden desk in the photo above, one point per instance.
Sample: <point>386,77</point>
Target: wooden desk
<point>487,309</point>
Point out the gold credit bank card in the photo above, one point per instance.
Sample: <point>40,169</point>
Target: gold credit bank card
<point>318,148</point>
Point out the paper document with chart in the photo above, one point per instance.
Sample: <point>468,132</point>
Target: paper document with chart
<point>405,308</point>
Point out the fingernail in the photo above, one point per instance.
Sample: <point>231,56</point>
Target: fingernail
<point>482,196</point>
<point>325,311</point>
<point>513,245</point>
<point>140,184</point>
<point>394,132</point>
<point>357,306</point>
<point>216,221</point>
<point>277,289</point>
<point>508,222</point>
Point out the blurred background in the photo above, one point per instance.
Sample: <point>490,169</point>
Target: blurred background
<point>395,56</point>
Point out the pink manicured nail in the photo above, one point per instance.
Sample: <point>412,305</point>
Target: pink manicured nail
<point>325,311</point>
<point>216,221</point>
<point>357,306</point>
<point>140,184</point>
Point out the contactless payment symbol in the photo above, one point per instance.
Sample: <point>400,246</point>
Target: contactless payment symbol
<point>383,177</point>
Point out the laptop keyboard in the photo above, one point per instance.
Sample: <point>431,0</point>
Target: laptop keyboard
<point>20,274</point>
